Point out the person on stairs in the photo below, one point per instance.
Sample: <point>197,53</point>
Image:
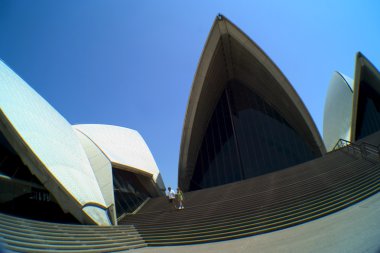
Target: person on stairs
<point>171,195</point>
<point>180,198</point>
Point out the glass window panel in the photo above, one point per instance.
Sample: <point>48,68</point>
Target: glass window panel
<point>264,142</point>
<point>128,190</point>
<point>259,127</point>
<point>368,119</point>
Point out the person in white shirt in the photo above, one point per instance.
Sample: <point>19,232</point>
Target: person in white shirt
<point>170,194</point>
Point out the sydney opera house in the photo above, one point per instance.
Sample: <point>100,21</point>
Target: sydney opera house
<point>252,164</point>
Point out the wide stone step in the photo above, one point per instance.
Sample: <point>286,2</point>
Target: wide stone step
<point>260,205</point>
<point>23,235</point>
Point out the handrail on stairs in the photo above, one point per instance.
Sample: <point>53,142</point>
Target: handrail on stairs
<point>366,150</point>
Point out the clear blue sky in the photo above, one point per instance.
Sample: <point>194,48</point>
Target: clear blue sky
<point>132,63</point>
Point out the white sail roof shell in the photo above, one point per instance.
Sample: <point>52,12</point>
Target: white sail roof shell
<point>124,147</point>
<point>48,145</point>
<point>102,169</point>
<point>338,110</point>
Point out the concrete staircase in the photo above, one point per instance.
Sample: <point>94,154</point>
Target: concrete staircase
<point>22,235</point>
<point>263,204</point>
<point>255,206</point>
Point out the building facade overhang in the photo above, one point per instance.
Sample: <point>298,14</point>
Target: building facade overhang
<point>48,146</point>
<point>126,150</point>
<point>229,55</point>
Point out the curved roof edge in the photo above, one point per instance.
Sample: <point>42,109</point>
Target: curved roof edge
<point>102,169</point>
<point>347,80</point>
<point>362,67</point>
<point>222,26</point>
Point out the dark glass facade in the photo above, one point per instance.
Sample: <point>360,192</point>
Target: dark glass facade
<point>11,165</point>
<point>246,137</point>
<point>368,119</point>
<point>128,190</point>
